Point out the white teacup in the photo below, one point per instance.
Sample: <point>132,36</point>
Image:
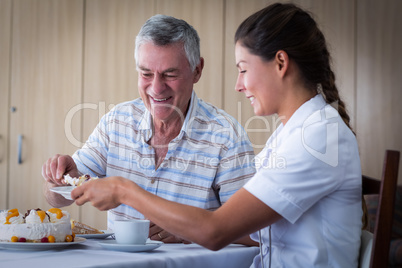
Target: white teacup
<point>131,231</point>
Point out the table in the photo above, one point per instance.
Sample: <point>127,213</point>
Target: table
<point>91,254</point>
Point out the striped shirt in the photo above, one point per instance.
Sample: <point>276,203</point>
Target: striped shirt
<point>206,163</point>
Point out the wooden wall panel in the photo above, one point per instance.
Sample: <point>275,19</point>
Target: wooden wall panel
<point>336,19</point>
<point>207,19</point>
<point>236,104</point>
<point>68,68</point>
<point>110,76</point>
<point>5,42</point>
<point>46,81</point>
<point>379,82</point>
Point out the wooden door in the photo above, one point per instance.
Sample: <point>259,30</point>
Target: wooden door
<point>5,42</point>
<point>46,79</point>
<point>207,19</point>
<point>379,82</point>
<point>110,76</point>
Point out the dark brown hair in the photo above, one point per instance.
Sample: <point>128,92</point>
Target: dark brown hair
<point>289,28</point>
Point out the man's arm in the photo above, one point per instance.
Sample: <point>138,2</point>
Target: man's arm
<point>238,167</point>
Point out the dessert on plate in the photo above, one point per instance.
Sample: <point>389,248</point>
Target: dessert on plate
<point>36,226</point>
<point>78,181</point>
<point>80,228</point>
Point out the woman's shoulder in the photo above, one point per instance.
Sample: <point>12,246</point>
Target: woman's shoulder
<point>320,135</point>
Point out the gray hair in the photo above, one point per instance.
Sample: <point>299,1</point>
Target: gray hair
<point>164,30</point>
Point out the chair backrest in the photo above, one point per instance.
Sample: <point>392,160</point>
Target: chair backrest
<point>385,188</point>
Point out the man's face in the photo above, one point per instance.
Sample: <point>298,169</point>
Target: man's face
<point>165,80</point>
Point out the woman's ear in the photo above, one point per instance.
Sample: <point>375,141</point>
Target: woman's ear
<point>282,62</point>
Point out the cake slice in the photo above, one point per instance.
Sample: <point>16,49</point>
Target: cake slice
<point>79,180</point>
<point>81,228</point>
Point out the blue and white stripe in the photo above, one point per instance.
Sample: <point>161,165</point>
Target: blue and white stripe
<point>206,163</point>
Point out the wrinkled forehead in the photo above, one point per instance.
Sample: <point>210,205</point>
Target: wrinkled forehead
<point>161,58</point>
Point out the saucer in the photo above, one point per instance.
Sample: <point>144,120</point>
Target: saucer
<point>39,246</point>
<point>113,245</point>
<point>105,234</point>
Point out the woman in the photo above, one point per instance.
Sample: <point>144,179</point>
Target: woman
<point>306,196</point>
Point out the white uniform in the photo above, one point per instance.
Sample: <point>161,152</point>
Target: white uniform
<point>309,172</point>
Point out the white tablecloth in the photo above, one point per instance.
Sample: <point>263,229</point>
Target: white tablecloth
<point>91,254</point>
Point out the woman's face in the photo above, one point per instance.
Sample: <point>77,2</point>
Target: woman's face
<point>258,80</point>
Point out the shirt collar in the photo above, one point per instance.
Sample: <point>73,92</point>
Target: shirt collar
<point>299,116</point>
<point>305,110</point>
<point>188,121</point>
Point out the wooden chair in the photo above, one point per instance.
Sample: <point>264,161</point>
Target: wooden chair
<point>385,188</point>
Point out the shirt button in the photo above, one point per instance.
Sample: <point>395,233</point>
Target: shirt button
<point>152,181</point>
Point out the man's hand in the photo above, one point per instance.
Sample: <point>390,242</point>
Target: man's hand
<point>104,194</point>
<point>52,171</point>
<point>55,167</point>
<point>158,234</point>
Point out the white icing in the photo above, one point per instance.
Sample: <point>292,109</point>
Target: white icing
<point>70,180</point>
<point>34,231</point>
<point>33,218</point>
<point>13,220</point>
<point>54,219</point>
<point>3,215</point>
<point>77,181</point>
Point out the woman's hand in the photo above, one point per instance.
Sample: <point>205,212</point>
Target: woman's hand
<point>104,194</point>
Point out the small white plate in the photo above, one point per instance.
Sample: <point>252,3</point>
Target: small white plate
<point>113,245</point>
<point>65,191</point>
<point>39,246</point>
<point>105,234</point>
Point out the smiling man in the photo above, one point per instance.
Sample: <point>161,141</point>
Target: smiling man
<point>169,141</point>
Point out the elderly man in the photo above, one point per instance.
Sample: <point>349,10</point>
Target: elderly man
<point>169,141</point>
